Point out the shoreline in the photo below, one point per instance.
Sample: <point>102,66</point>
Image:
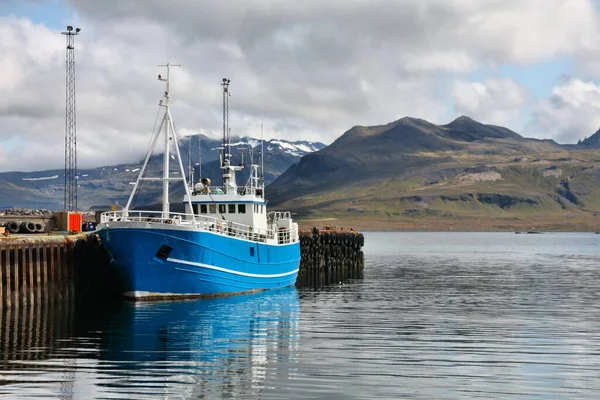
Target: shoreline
<point>537,225</point>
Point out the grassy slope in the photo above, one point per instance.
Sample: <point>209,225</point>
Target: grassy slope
<point>415,200</point>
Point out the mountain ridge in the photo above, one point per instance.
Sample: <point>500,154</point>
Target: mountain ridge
<point>111,184</point>
<point>592,141</point>
<point>411,170</point>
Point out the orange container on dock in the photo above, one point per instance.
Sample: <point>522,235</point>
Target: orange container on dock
<point>70,221</point>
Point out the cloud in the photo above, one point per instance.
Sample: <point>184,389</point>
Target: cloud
<point>495,101</point>
<point>311,68</point>
<point>571,113</point>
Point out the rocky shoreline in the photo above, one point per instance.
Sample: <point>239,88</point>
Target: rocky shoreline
<point>26,212</point>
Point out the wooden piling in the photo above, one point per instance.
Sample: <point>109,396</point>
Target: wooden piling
<point>9,287</point>
<point>38,266</point>
<point>23,273</point>
<point>38,274</point>
<point>65,267</point>
<point>2,268</point>
<point>7,325</point>
<point>29,326</point>
<point>16,276</point>
<point>30,268</point>
<point>38,318</point>
<point>334,254</point>
<point>52,265</point>
<point>45,265</point>
<point>58,267</point>
<point>70,248</point>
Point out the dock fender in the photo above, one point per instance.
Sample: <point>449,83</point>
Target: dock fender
<point>80,247</point>
<point>27,227</point>
<point>94,241</point>
<point>12,226</point>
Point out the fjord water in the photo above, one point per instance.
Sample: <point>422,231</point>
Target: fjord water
<point>437,315</point>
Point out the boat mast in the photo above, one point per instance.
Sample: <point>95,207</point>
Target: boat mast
<point>156,134</point>
<point>170,134</point>
<point>229,179</point>
<point>168,137</point>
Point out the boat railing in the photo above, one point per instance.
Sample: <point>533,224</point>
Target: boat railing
<point>218,190</point>
<point>274,216</point>
<point>287,236</point>
<point>211,224</point>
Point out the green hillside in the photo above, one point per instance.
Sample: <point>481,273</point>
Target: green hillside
<point>411,174</point>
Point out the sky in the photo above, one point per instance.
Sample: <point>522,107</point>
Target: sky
<point>310,70</point>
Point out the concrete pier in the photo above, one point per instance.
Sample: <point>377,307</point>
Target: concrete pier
<point>30,266</point>
<point>37,267</point>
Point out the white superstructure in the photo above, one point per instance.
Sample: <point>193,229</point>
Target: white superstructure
<point>232,203</point>
<point>229,209</point>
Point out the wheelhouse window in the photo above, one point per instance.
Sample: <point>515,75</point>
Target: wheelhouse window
<point>212,208</point>
<point>203,209</point>
<point>195,208</point>
<point>231,208</point>
<point>222,209</point>
<point>241,209</point>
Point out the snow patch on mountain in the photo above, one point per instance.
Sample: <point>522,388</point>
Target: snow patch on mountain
<point>297,149</point>
<point>42,178</point>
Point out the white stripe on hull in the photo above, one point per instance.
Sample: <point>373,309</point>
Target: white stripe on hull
<point>231,271</point>
<point>145,295</point>
<point>141,294</point>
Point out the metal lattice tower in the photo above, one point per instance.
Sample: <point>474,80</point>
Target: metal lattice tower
<point>70,124</point>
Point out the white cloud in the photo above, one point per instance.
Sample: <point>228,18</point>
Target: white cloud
<point>571,113</point>
<point>312,68</point>
<point>494,101</point>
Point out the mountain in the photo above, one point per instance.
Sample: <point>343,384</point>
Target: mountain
<point>413,174</point>
<point>591,142</point>
<point>106,185</point>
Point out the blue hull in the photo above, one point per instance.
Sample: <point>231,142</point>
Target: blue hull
<point>169,262</point>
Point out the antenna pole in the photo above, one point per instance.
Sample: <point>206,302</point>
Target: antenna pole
<point>190,168</point>
<point>225,85</point>
<point>262,155</point>
<point>199,156</point>
<point>70,199</point>
<point>168,137</point>
<point>226,155</point>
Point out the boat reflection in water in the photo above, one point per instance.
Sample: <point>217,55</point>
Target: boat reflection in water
<point>192,348</point>
<point>220,347</point>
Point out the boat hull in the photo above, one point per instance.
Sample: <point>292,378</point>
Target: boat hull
<point>164,263</point>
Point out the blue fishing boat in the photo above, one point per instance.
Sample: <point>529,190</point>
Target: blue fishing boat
<point>224,243</point>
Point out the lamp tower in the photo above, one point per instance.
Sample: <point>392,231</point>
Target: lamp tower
<point>70,200</point>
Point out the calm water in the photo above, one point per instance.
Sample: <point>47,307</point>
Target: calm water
<point>437,315</point>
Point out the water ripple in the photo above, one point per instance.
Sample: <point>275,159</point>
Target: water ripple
<point>437,315</point>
